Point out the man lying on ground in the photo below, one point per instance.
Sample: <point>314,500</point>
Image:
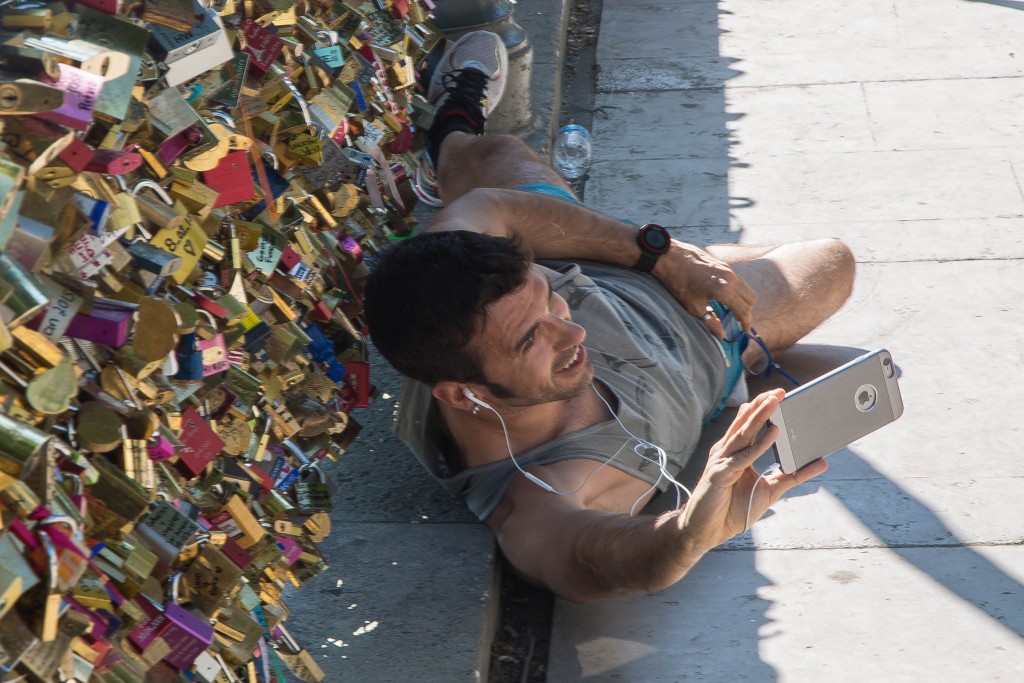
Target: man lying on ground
<point>558,397</point>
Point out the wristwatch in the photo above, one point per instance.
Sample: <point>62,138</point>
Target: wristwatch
<point>653,241</point>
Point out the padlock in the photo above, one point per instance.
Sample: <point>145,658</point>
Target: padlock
<point>199,443</point>
<point>303,665</point>
<point>153,260</point>
<point>114,500</point>
<point>232,179</point>
<point>81,91</point>
<point>49,601</point>
<point>176,14</point>
<point>106,322</point>
<point>210,56</point>
<point>20,444</point>
<point>21,294</point>
<point>184,635</point>
<point>211,580</point>
<point>136,463</point>
<point>166,531</point>
<point>63,536</point>
<point>239,634</point>
<point>263,47</point>
<point>267,265</point>
<point>312,496</point>
<point>169,45</point>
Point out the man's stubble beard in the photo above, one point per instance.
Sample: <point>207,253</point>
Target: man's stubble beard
<point>514,399</point>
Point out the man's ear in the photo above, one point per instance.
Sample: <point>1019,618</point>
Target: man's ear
<point>451,393</point>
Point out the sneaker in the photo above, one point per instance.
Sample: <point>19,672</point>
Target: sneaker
<point>466,85</point>
<point>424,183</point>
<point>470,75</point>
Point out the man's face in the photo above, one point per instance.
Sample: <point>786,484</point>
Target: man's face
<point>530,349</point>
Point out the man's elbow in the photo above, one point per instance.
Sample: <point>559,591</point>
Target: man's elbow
<point>576,593</point>
<point>584,585</point>
<point>582,594</point>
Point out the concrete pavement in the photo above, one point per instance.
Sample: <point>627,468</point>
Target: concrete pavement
<point>896,125</point>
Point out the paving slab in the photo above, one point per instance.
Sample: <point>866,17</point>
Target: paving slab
<point>827,66</point>
<point>778,42</point>
<point>946,113</point>
<point>943,615</point>
<point>858,186</point>
<point>400,603</point>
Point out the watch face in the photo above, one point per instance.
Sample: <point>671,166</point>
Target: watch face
<point>656,238</point>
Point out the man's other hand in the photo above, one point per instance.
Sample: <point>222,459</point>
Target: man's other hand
<point>694,277</point>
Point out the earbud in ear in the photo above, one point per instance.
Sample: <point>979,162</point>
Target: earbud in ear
<point>472,397</point>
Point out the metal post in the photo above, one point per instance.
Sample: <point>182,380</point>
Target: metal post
<point>514,114</point>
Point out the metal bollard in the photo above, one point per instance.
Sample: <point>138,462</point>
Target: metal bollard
<point>514,114</point>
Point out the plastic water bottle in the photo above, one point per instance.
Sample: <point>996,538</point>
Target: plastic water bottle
<point>570,155</point>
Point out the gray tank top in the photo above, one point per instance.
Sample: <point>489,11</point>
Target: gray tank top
<point>662,364</point>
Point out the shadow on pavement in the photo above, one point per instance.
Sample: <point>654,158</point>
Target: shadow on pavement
<point>733,626</point>
<point>1009,4</point>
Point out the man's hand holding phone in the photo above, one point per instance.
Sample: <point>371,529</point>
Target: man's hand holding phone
<point>722,499</point>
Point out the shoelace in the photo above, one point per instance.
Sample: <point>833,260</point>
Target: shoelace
<point>465,88</point>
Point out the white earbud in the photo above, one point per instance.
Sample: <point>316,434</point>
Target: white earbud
<point>472,397</point>
<point>535,479</point>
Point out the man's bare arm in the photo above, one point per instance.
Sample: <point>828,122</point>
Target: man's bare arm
<point>556,228</point>
<point>584,554</point>
<point>550,226</point>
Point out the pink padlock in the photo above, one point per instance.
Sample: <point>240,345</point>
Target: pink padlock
<point>81,90</point>
<point>171,148</point>
<point>290,548</point>
<point>110,162</point>
<point>160,449</point>
<point>215,355</point>
<point>351,246</point>
<point>187,635</point>
<point>103,325</point>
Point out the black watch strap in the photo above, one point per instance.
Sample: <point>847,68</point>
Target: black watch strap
<point>646,261</point>
<point>653,241</point>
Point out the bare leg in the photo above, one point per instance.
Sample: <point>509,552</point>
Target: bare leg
<point>798,286</point>
<point>470,161</point>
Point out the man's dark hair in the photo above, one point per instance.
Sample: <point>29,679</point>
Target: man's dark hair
<point>428,297</point>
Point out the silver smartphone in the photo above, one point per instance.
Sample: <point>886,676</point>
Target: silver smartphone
<point>836,409</point>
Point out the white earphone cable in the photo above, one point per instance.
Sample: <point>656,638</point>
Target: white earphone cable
<point>642,444</point>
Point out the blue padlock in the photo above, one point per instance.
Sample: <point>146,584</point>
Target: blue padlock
<point>190,359</point>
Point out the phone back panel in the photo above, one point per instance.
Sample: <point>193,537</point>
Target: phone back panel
<point>838,408</point>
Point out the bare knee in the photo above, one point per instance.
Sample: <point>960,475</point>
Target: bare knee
<point>838,267</point>
<point>503,144</point>
<point>799,286</point>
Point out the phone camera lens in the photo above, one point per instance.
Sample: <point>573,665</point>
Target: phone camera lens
<point>888,368</point>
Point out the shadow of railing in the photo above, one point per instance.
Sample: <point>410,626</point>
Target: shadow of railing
<point>915,528</point>
<point>1009,4</point>
<point>989,584</point>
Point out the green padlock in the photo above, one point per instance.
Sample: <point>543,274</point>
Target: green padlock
<point>312,496</point>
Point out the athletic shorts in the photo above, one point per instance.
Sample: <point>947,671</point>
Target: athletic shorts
<point>549,189</point>
<point>734,372</point>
